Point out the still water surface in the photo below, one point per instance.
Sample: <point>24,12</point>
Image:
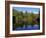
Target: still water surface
<point>28,27</point>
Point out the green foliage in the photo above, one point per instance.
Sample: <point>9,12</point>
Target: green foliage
<point>25,18</point>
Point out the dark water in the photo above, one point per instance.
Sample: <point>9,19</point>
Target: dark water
<point>28,27</point>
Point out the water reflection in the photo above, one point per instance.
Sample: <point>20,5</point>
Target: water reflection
<point>28,27</point>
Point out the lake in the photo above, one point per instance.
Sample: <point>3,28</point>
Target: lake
<point>28,27</point>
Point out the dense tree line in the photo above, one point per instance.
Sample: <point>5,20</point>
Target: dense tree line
<point>26,18</point>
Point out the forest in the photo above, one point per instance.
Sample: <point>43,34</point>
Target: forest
<point>20,18</point>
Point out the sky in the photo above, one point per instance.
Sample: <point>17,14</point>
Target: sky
<point>29,10</point>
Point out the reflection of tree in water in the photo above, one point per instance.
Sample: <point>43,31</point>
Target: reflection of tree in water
<point>20,19</point>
